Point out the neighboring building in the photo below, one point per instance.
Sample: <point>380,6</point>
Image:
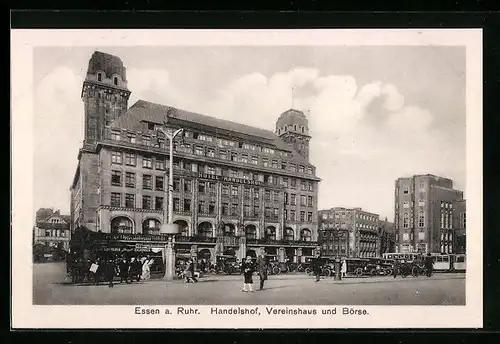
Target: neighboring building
<point>460,226</point>
<point>423,218</point>
<point>362,228</point>
<point>236,188</point>
<point>52,229</point>
<point>387,237</point>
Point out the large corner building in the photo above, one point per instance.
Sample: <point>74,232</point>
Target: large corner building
<point>237,188</point>
<point>425,209</point>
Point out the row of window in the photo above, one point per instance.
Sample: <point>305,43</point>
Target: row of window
<point>159,142</point>
<point>407,221</point>
<point>343,214</point>
<point>228,209</point>
<point>409,236</point>
<point>56,233</point>
<point>203,187</point>
<point>446,220</point>
<point>159,164</point>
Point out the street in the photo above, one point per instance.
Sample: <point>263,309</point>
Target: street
<point>292,289</point>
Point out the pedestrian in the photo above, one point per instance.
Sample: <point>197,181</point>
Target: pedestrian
<point>343,269</point>
<point>109,272</point>
<point>135,269</point>
<point>248,270</point>
<point>262,266</point>
<point>146,268</point>
<point>188,272</point>
<point>124,270</point>
<point>395,268</point>
<point>191,269</point>
<point>429,265</point>
<point>93,272</point>
<point>316,266</point>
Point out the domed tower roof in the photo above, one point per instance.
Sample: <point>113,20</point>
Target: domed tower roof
<point>294,121</point>
<point>107,63</point>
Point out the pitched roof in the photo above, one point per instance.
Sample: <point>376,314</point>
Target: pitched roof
<point>156,113</point>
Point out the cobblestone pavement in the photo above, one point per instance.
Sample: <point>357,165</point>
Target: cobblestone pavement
<point>290,289</point>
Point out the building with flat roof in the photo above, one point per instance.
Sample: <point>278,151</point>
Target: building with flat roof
<point>236,188</point>
<point>349,232</point>
<point>424,211</point>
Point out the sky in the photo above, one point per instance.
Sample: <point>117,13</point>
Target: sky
<point>375,113</point>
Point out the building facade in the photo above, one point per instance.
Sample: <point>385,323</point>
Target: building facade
<point>52,229</point>
<point>424,208</point>
<point>460,231</point>
<point>236,188</point>
<point>357,232</point>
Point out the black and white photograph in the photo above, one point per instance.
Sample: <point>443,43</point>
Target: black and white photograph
<point>324,178</point>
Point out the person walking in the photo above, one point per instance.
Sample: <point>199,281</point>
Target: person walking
<point>316,267</point>
<point>262,266</point>
<point>429,265</point>
<point>135,269</point>
<point>124,270</point>
<point>248,270</point>
<point>191,269</point>
<point>110,271</point>
<point>395,268</point>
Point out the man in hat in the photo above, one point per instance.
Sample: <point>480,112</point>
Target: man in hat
<point>262,266</point>
<point>247,273</point>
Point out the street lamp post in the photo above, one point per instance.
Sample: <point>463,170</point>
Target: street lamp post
<point>168,226</point>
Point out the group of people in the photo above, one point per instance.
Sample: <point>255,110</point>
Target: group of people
<point>106,269</point>
<point>248,268</point>
<point>404,269</point>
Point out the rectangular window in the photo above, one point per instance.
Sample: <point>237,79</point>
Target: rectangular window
<point>303,185</point>
<point>159,163</point>
<point>130,179</point>
<point>293,167</point>
<point>275,213</point>
<point>129,201</point>
<point>234,157</point>
<point>116,157</point>
<point>406,236</point>
<point>187,186</point>
<point>421,235</point>
<point>177,205</point>
<point>302,216</point>
<point>211,153</point>
<point>284,182</point>
<point>159,183</point>
<point>199,150</point>
<point>223,155</point>
<point>116,199</point>
<point>256,193</point>
<point>267,212</point>
<point>146,141</point>
<point>301,169</point>
<point>130,159</point>
<point>147,162</point>
<point>115,135</point>
<point>187,205</point>
<point>292,215</point>
<point>225,209</point>
<point>275,163</point>
<point>244,158</point>
<point>255,210</point>
<point>293,183</point>
<point>255,160</point>
<point>283,165</point>
<point>309,201</point>
<point>292,199</point>
<point>234,209</point>
<point>265,162</point>
<point>211,207</point>
<point>147,182</point>
<point>210,170</point>
<point>309,170</point>
<point>406,189</point>
<point>177,185</point>
<point>247,193</point>
<point>234,190</point>
<point>225,190</point>
<point>276,196</point>
<point>116,178</point>
<point>421,220</point>
<point>131,138</point>
<point>146,202</point>
<point>309,216</point>
<point>246,210</point>
<point>310,186</point>
<point>406,205</point>
<point>303,200</point>
<point>286,198</point>
<point>158,203</point>
<point>267,195</point>
<point>202,187</point>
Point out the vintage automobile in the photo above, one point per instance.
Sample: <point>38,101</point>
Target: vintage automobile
<point>227,264</point>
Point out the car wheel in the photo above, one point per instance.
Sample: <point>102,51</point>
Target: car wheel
<point>358,272</point>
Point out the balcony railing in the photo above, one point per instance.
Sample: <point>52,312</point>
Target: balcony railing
<point>281,242</point>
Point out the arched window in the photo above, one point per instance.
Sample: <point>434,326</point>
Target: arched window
<point>229,230</point>
<point>270,233</point>
<point>151,226</point>
<point>295,127</point>
<point>250,232</point>
<point>184,227</point>
<point>205,230</point>
<point>122,225</point>
<point>305,235</point>
<point>115,81</point>
<point>288,234</point>
<point>302,128</point>
<point>406,220</point>
<point>99,77</point>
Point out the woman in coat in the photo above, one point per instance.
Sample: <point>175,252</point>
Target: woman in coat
<point>248,270</point>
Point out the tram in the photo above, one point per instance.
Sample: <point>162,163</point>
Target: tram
<point>442,262</point>
<point>406,257</point>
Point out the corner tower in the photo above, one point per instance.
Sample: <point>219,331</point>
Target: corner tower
<point>292,127</point>
<point>104,93</point>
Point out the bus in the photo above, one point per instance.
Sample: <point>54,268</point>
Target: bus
<point>449,262</point>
